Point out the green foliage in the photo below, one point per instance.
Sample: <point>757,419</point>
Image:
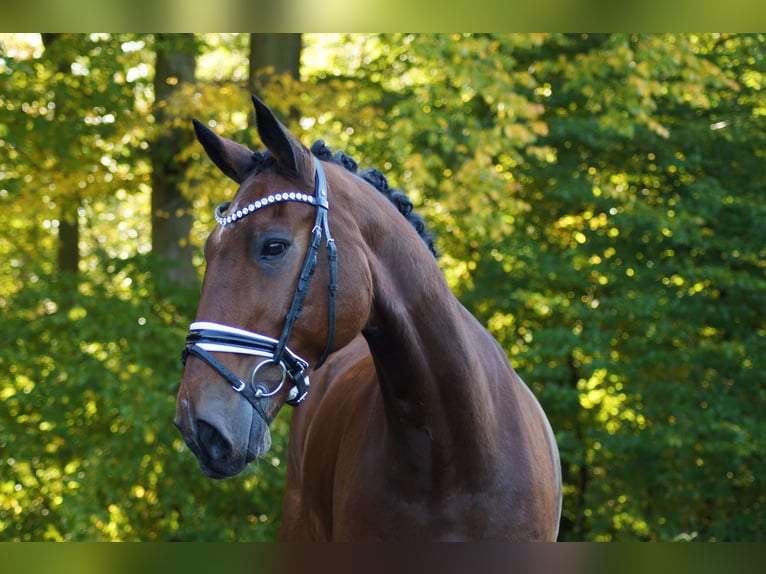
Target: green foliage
<point>598,202</point>
<point>610,282</point>
<point>89,449</point>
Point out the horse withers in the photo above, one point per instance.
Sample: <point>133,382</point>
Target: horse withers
<point>320,292</point>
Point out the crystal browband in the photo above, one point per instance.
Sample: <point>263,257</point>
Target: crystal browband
<point>256,205</point>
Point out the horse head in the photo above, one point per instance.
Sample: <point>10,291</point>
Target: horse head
<point>268,312</point>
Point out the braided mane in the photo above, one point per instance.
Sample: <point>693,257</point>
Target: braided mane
<point>379,181</point>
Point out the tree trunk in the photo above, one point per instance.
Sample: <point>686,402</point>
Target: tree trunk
<point>68,256</point>
<point>69,237</point>
<point>273,54</point>
<point>270,55</point>
<point>171,211</point>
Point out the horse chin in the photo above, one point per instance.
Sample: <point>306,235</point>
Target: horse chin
<point>218,474</point>
<point>260,439</point>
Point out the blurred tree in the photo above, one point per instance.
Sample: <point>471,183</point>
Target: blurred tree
<point>272,54</point>
<point>274,59</point>
<point>69,229</point>
<point>171,210</point>
<point>64,109</point>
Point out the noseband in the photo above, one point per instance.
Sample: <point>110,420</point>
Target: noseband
<point>206,337</point>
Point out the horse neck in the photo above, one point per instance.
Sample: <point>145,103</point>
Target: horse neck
<point>434,361</point>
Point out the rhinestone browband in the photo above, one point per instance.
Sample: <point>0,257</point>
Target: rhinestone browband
<point>256,205</point>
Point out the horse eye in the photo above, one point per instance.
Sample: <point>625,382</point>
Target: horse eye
<point>273,248</point>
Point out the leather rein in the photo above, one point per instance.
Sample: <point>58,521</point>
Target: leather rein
<point>206,337</point>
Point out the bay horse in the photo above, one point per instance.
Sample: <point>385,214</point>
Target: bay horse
<point>416,427</point>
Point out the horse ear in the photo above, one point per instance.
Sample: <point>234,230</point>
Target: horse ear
<point>290,154</point>
<point>233,159</point>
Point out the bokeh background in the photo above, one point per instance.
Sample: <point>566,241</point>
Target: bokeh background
<point>598,202</point>
<point>379,16</point>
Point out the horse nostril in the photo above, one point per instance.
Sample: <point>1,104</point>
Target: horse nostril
<point>217,447</point>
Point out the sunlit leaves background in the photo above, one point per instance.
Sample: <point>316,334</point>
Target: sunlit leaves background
<point>598,202</point>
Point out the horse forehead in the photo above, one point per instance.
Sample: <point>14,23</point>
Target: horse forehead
<point>263,182</point>
<point>257,185</point>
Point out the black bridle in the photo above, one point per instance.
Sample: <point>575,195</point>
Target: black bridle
<point>206,337</point>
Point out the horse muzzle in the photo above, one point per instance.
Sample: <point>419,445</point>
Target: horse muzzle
<point>223,445</point>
